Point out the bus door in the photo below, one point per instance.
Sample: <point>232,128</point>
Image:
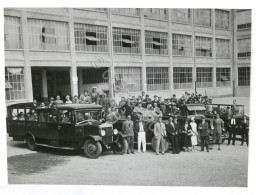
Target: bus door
<point>66,127</point>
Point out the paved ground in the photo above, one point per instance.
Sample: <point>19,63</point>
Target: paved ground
<point>227,167</point>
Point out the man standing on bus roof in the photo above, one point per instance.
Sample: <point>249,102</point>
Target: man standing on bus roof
<point>94,95</point>
<point>85,98</point>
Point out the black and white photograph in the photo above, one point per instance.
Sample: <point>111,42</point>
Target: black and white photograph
<point>120,96</point>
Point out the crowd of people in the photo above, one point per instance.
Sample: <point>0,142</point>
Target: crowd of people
<point>140,111</point>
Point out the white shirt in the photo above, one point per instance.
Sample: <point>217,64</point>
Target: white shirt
<point>141,127</point>
<point>233,121</point>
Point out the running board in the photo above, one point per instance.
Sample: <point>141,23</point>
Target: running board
<point>65,148</point>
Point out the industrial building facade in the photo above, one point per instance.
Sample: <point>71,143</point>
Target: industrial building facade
<point>122,51</point>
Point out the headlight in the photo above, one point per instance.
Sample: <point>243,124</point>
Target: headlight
<point>103,133</point>
<point>115,131</point>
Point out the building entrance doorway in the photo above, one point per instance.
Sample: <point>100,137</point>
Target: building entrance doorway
<point>93,77</point>
<point>50,82</point>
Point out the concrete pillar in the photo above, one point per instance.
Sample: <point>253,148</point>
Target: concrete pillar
<point>27,67</point>
<point>170,52</point>
<point>144,69</point>
<point>214,53</point>
<point>44,85</point>
<point>54,80</point>
<point>193,49</point>
<point>111,74</point>
<point>80,81</point>
<point>233,51</point>
<point>73,70</point>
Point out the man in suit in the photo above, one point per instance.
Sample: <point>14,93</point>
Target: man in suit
<point>232,129</point>
<point>218,124</point>
<point>159,133</point>
<point>244,130</point>
<point>204,134</point>
<point>128,128</point>
<point>172,135</point>
<point>140,129</point>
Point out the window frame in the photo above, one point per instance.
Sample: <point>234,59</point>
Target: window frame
<point>219,75</point>
<point>180,38</point>
<point>157,78</point>
<point>150,38</point>
<point>182,77</point>
<point>243,80</point>
<point>198,40</point>
<point>202,74</point>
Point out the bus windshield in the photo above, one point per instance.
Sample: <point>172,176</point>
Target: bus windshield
<point>86,115</point>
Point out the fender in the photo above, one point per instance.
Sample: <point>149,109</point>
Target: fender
<point>94,137</point>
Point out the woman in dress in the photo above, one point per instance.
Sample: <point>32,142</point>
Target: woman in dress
<point>193,128</point>
<point>186,137</point>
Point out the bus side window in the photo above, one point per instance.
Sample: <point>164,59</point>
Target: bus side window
<point>65,116</point>
<point>42,116</point>
<point>21,115</point>
<point>52,113</point>
<point>14,114</point>
<point>32,115</point>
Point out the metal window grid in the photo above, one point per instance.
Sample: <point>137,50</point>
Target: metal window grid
<point>156,13</point>
<point>163,44</point>
<point>101,39</point>
<point>243,48</point>
<point>203,17</point>
<point>59,35</point>
<point>244,76</point>
<point>222,19</point>
<point>181,45</point>
<point>14,84</point>
<point>204,46</point>
<point>157,78</point>
<point>12,33</point>
<point>220,73</point>
<point>118,34</point>
<point>181,15</point>
<point>222,48</point>
<point>244,19</point>
<point>182,77</point>
<point>126,11</point>
<point>204,77</point>
<point>127,79</point>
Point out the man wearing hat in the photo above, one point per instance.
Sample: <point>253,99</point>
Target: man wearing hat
<point>172,131</point>
<point>94,95</point>
<point>204,134</point>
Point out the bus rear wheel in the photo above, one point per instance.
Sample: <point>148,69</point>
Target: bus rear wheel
<point>31,142</point>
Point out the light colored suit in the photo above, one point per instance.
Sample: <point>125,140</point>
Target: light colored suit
<point>160,133</point>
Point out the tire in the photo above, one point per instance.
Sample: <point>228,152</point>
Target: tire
<point>120,147</point>
<point>153,145</point>
<point>92,149</point>
<point>31,143</point>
